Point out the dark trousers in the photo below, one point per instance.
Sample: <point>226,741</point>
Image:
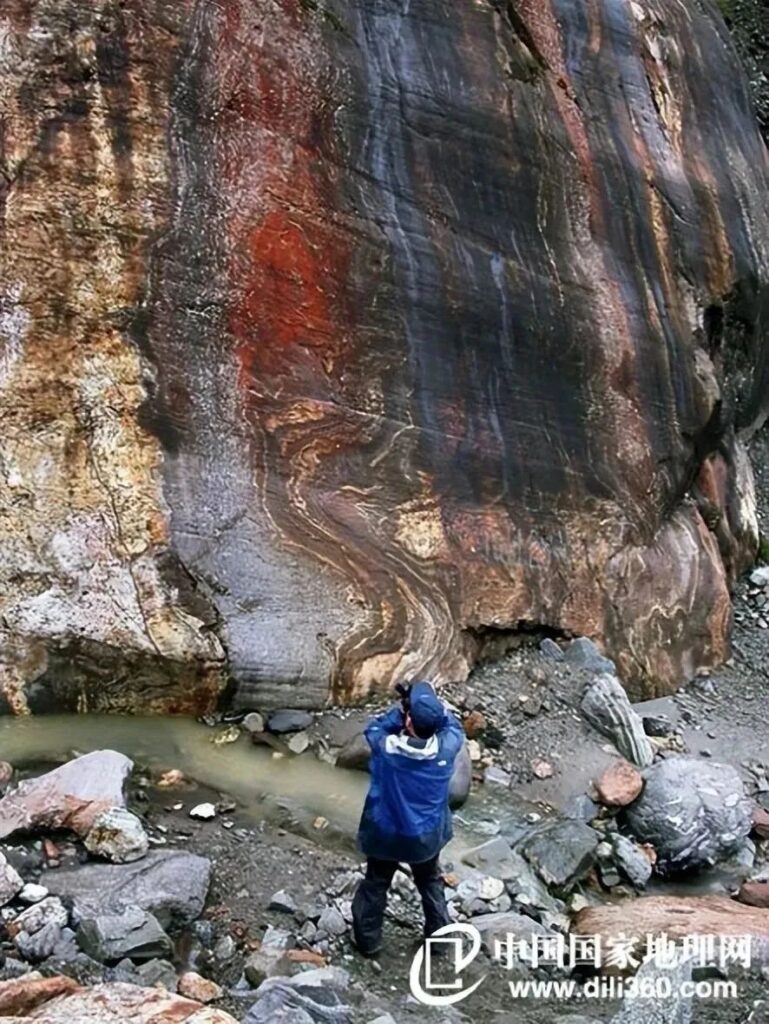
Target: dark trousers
<point>370,900</point>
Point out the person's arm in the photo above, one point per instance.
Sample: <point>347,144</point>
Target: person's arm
<point>382,726</point>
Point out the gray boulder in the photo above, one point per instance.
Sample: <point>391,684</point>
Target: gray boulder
<point>561,852</point>
<point>315,997</point>
<point>171,884</point>
<point>583,653</point>
<point>631,861</point>
<point>693,812</point>
<point>132,933</point>
<point>38,946</point>
<point>117,835</point>
<point>354,754</point>
<point>674,1008</point>
<point>285,721</point>
<point>495,929</point>
<point>157,972</point>
<point>607,708</point>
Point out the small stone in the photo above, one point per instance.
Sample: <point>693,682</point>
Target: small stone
<point>6,773</point>
<point>320,823</point>
<point>761,822</point>
<point>118,836</point>
<point>204,812</point>
<point>282,901</point>
<point>298,743</point>
<point>195,986</point>
<point>760,577</point>
<point>48,911</point>
<point>173,777</point>
<point>32,893</point>
<point>550,649</point>
<point>332,922</point>
<point>253,722</point>
<point>619,785</point>
<point>541,768</point>
<point>657,725</point>
<point>474,750</point>
<point>494,776</point>
<point>265,963</point>
<point>305,956</point>
<point>474,724</point>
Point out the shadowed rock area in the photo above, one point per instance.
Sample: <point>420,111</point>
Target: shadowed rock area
<point>337,336</point>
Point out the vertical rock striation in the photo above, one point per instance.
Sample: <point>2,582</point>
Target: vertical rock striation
<point>378,326</point>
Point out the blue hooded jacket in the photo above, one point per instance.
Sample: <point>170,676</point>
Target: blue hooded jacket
<point>406,816</point>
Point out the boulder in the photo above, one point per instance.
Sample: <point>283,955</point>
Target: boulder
<point>69,797</point>
<point>754,893</point>
<point>118,836</point>
<point>561,852</point>
<point>495,857</point>
<point>619,785</point>
<point>47,911</point>
<point>761,822</point>
<point>120,1002</point>
<point>495,929</point>
<point>607,707</point>
<point>631,860</point>
<point>659,996</point>
<point>266,962</point>
<point>156,973</point>
<point>693,812</point>
<point>313,997</point>
<point>20,996</point>
<point>171,884</point>
<point>674,916</point>
<point>285,721</point>
<point>194,986</point>
<point>11,882</point>
<point>39,945</point>
<point>355,753</point>
<point>132,933</point>
<point>582,653</point>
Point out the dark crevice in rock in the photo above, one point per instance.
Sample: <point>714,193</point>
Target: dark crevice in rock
<point>491,643</point>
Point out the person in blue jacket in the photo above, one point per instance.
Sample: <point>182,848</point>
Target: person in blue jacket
<point>406,817</point>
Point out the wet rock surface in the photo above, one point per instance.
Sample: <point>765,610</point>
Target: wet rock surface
<point>262,300</point>
<point>693,813</point>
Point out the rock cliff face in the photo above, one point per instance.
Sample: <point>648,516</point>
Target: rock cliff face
<point>341,337</point>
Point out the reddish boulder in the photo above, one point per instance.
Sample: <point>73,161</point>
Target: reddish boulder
<point>69,797</point>
<point>755,894</point>
<point>761,822</point>
<point>21,995</point>
<point>619,785</point>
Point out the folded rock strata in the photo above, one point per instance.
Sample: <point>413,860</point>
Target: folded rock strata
<point>337,338</point>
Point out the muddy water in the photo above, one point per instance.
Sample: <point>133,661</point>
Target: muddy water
<point>248,773</point>
<point>297,788</point>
